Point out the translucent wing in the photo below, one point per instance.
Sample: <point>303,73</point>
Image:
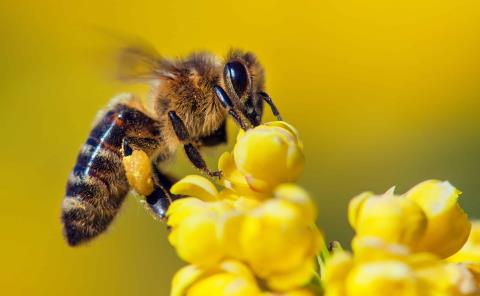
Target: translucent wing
<point>138,62</point>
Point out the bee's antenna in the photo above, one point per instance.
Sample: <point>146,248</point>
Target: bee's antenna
<point>269,101</point>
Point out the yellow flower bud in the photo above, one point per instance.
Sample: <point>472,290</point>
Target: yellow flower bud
<point>435,276</point>
<point>391,218</point>
<point>196,240</point>
<point>269,155</point>
<point>229,278</point>
<point>287,126</point>
<point>448,225</point>
<point>298,196</point>
<point>470,252</point>
<point>277,238</point>
<point>232,178</point>
<point>380,278</point>
<point>193,220</point>
<point>212,225</point>
<point>443,278</point>
<point>368,249</point>
<point>223,284</point>
<point>183,208</point>
<point>228,233</point>
<point>298,277</point>
<point>244,204</point>
<point>355,206</point>
<point>139,172</point>
<point>336,272</point>
<point>237,268</point>
<point>379,268</point>
<point>257,218</point>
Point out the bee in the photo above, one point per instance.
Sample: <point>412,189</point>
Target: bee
<point>189,103</point>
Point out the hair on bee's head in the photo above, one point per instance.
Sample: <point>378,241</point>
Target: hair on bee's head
<point>244,79</point>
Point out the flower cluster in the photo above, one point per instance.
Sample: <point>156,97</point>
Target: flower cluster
<point>257,235</point>
<point>380,268</point>
<point>400,245</point>
<point>427,218</point>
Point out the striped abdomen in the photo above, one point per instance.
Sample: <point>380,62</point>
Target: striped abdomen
<point>97,185</point>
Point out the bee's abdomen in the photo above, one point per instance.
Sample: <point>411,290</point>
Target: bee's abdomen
<point>97,185</point>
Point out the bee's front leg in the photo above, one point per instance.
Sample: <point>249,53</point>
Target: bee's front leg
<point>198,161</point>
<point>192,152</point>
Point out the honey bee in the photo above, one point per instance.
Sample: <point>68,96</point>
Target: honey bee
<point>189,102</point>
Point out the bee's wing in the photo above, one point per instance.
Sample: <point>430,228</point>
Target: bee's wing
<point>138,62</point>
<point>133,58</point>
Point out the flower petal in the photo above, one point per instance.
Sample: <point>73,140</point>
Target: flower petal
<point>470,252</point>
<point>448,225</point>
<point>184,278</point>
<point>195,186</point>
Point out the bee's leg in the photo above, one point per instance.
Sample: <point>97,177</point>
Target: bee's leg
<point>217,137</point>
<point>141,182</point>
<point>142,132</point>
<point>161,197</point>
<point>198,161</point>
<point>192,152</point>
<point>228,105</point>
<point>127,149</point>
<point>269,101</point>
<point>158,202</point>
<point>164,180</point>
<point>148,145</point>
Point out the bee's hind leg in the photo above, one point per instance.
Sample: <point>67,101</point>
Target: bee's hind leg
<point>161,197</point>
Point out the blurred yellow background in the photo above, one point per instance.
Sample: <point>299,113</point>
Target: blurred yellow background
<point>383,92</point>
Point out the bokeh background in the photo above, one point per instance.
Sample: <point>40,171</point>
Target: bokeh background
<point>383,92</point>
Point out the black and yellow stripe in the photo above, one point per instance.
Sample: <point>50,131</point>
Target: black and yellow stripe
<point>97,185</point>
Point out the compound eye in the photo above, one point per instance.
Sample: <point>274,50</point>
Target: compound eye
<point>238,75</point>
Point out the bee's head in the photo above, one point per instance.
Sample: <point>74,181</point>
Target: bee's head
<point>244,80</point>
